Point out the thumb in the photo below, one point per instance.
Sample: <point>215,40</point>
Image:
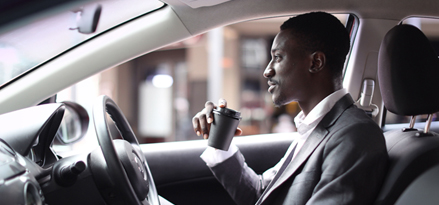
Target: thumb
<point>222,103</point>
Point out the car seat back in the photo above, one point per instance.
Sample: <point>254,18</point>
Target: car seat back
<point>407,71</point>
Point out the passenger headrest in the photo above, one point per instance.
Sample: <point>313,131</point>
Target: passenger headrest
<point>408,72</point>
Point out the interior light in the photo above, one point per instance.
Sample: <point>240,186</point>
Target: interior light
<point>162,81</point>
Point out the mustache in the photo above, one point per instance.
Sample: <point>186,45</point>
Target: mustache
<point>272,82</point>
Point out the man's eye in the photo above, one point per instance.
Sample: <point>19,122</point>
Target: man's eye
<point>277,58</point>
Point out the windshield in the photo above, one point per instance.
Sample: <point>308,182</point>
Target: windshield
<point>43,38</point>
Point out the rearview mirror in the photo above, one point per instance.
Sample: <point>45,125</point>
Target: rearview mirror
<point>88,19</point>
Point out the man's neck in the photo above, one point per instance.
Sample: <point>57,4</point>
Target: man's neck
<point>308,105</point>
<point>325,84</point>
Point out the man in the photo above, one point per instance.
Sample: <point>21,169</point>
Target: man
<point>340,156</point>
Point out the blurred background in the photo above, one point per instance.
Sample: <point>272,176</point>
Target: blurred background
<point>160,92</point>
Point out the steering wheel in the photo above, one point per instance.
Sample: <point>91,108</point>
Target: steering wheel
<point>126,168</point>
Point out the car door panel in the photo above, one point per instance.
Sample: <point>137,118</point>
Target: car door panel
<point>182,177</point>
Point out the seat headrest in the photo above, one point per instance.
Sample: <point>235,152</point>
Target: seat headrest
<point>408,72</point>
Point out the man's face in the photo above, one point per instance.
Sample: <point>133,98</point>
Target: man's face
<point>288,71</point>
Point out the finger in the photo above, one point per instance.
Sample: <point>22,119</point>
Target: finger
<point>196,125</point>
<point>204,126</point>
<point>222,103</point>
<point>238,131</point>
<point>206,136</point>
<point>209,106</point>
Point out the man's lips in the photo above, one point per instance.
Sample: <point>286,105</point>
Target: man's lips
<point>272,85</point>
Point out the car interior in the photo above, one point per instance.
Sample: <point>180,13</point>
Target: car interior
<point>391,68</point>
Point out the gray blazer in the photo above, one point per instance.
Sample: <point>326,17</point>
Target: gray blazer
<point>343,161</point>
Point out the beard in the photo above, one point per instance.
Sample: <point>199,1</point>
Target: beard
<point>280,100</point>
<point>283,97</point>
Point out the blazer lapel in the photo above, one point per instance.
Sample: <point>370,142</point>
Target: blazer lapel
<point>313,141</point>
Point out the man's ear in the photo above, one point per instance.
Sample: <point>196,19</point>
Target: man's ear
<point>318,62</point>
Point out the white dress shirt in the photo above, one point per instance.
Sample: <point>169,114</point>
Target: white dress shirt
<point>305,125</point>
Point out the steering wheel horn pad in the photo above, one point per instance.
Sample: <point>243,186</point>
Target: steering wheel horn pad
<point>134,167</point>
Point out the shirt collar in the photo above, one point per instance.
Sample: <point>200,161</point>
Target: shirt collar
<point>305,123</point>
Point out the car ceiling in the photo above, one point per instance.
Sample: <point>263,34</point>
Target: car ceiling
<point>204,18</point>
<point>200,19</point>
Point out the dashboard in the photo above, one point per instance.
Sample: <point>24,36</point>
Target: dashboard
<point>33,172</point>
<point>29,166</point>
<point>18,184</point>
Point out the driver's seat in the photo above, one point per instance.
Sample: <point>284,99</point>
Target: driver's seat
<point>408,72</point>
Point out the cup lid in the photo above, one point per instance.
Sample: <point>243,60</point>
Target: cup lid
<point>228,112</point>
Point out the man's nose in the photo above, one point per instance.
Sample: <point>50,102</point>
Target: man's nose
<point>269,71</point>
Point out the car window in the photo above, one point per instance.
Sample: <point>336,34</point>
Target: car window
<point>429,27</point>
<point>160,92</point>
<point>41,38</point>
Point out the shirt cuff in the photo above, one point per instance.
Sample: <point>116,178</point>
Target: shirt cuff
<point>214,156</point>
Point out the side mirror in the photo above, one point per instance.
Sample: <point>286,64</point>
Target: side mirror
<point>74,124</point>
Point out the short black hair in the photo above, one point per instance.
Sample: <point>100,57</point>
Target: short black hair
<point>320,31</point>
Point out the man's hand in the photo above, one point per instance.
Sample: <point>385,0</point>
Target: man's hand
<point>202,120</point>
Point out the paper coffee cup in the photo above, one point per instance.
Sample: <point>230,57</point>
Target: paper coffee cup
<point>223,127</point>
